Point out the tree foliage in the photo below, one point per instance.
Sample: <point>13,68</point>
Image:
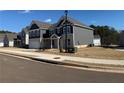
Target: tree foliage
<point>5,31</point>
<point>109,35</point>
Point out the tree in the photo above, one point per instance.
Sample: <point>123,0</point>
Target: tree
<point>122,38</point>
<point>5,31</point>
<point>109,35</point>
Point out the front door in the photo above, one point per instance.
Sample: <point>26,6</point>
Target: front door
<point>54,43</point>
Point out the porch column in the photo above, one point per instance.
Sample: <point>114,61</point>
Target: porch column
<point>51,43</point>
<point>58,42</point>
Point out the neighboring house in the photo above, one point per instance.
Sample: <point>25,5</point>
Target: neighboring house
<point>45,35</point>
<point>22,39</point>
<point>7,39</point>
<point>97,40</point>
<point>37,30</point>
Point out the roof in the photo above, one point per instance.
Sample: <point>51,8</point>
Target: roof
<point>42,25</point>
<point>10,36</point>
<point>75,22</point>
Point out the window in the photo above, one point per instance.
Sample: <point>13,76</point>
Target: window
<point>69,42</point>
<point>68,29</point>
<point>32,34</point>
<point>64,30</point>
<point>61,32</point>
<point>37,33</point>
<point>58,32</point>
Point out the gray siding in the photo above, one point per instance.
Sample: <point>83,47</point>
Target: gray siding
<point>62,41</point>
<point>82,36</point>
<point>47,43</point>
<point>34,43</point>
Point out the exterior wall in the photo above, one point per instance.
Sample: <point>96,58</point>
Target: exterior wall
<point>82,36</point>
<point>11,43</point>
<point>62,41</point>
<point>1,43</point>
<point>47,43</point>
<point>34,43</point>
<point>97,42</point>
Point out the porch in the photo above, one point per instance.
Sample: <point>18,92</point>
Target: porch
<point>52,43</point>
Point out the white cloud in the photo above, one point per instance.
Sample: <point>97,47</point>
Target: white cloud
<point>25,11</point>
<point>48,20</point>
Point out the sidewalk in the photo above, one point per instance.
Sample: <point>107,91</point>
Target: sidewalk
<point>67,60</point>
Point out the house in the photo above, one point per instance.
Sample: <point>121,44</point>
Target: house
<point>97,40</point>
<point>37,31</point>
<point>66,33</point>
<point>22,39</point>
<point>7,39</point>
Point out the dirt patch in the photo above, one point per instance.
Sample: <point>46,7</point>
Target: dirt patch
<point>92,52</point>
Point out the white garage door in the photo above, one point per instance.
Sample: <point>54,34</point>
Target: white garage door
<point>34,43</point>
<point>1,44</point>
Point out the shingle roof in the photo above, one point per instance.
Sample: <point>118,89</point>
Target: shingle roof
<point>76,22</point>
<point>42,25</point>
<point>10,36</point>
<point>25,29</point>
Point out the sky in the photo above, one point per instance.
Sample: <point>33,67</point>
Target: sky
<point>15,20</point>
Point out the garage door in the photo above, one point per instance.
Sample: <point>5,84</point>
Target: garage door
<point>1,44</point>
<point>34,43</point>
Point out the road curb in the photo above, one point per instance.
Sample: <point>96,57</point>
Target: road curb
<point>84,64</point>
<point>66,62</point>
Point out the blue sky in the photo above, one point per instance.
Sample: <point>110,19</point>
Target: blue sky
<point>15,20</point>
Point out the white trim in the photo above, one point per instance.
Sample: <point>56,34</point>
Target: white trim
<point>73,37</point>
<point>51,43</point>
<point>34,30</point>
<point>58,43</point>
<point>55,36</point>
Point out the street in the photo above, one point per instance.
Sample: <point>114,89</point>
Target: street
<point>21,70</point>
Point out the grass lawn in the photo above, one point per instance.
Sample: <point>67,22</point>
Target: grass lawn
<point>93,52</point>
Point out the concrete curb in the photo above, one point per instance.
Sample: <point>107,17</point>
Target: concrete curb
<point>76,64</point>
<point>85,65</point>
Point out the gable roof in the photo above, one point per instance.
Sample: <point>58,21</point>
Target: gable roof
<point>26,29</point>
<point>42,25</point>
<point>74,22</point>
<point>54,36</point>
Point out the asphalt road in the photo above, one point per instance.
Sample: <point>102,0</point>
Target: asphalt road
<point>13,69</point>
